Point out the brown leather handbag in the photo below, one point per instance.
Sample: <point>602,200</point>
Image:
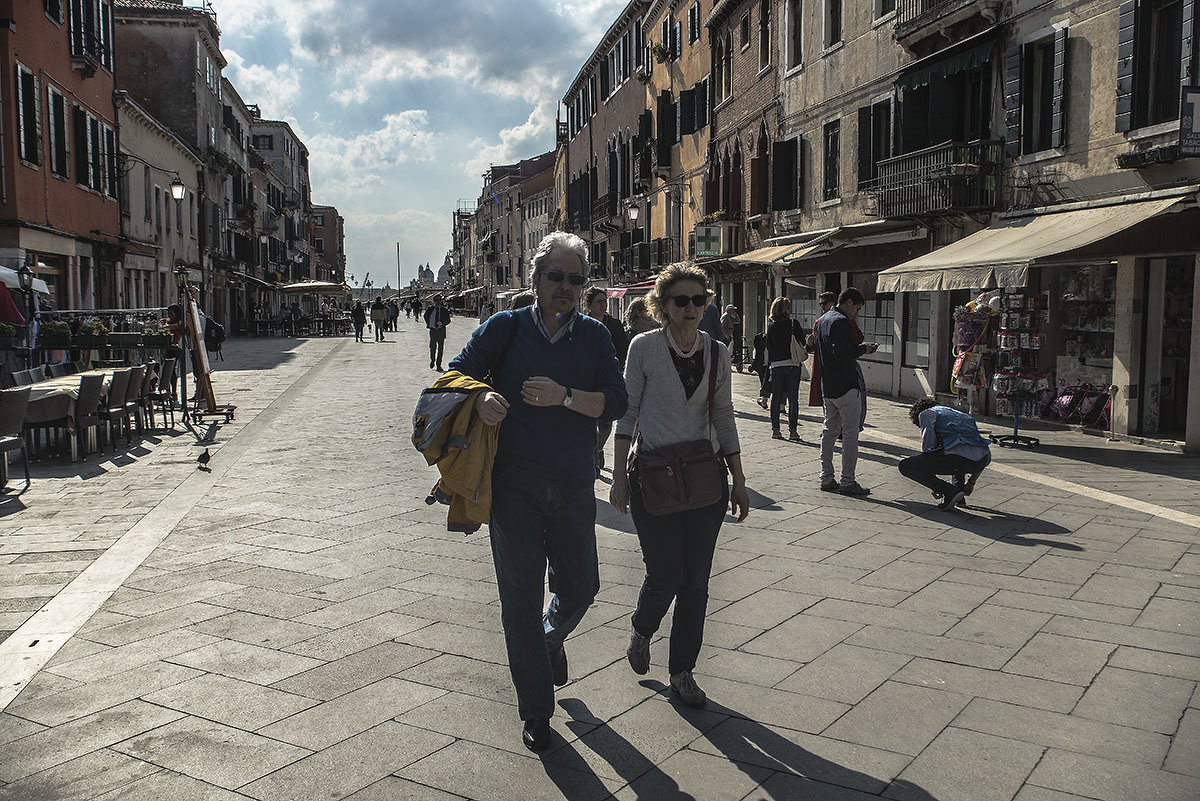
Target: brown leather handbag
<point>685,475</point>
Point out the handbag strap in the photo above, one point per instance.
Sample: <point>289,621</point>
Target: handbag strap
<point>712,380</point>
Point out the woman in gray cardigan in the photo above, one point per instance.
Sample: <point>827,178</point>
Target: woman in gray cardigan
<point>667,374</point>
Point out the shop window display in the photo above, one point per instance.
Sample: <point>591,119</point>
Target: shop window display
<point>916,329</point>
<point>1087,319</point>
<point>877,319</point>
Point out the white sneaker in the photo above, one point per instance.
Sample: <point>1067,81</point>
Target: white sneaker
<point>684,685</point>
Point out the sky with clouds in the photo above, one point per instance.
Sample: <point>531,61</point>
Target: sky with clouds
<point>403,104</point>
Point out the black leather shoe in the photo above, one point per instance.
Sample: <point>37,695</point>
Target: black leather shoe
<point>537,734</point>
<point>558,665</point>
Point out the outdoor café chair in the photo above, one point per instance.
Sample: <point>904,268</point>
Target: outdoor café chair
<point>87,417</point>
<point>13,403</point>
<point>23,378</point>
<point>164,391</point>
<point>132,409</point>
<point>141,398</point>
<point>58,370</point>
<point>113,410</point>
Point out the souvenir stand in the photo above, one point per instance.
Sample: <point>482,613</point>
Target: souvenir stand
<point>1019,380</point>
<point>974,355</point>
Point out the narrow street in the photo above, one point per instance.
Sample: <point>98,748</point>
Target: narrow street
<point>298,623</point>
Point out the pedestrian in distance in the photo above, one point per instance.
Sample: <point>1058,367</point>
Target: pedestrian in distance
<point>378,318</point>
<point>758,366</point>
<point>522,299</point>
<point>437,317</point>
<point>679,385</point>
<point>554,373</point>
<point>782,331</point>
<point>951,445</point>
<point>358,316</point>
<point>407,310</point>
<point>710,323</point>
<point>595,304</point>
<point>486,310</point>
<point>393,313</point>
<point>638,319</point>
<point>730,320</point>
<point>839,355</point>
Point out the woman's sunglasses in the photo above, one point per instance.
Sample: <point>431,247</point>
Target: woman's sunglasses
<point>557,276</point>
<point>699,301</point>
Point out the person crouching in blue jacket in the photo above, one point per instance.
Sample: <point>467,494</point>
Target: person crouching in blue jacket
<point>951,445</point>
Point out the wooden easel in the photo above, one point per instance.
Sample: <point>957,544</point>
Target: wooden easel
<point>204,387</point>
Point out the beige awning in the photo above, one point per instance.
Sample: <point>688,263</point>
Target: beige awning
<point>775,254</point>
<point>1001,254</point>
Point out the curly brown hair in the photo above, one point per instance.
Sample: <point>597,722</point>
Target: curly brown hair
<point>914,413</point>
<point>669,277</point>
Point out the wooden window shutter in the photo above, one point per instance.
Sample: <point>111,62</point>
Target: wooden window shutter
<point>666,128</point>
<point>687,111</point>
<point>1187,69</point>
<point>1058,96</point>
<point>34,99</point>
<point>20,95</point>
<point>799,177</point>
<point>1012,101</point>
<point>1126,29</point>
<point>646,125</point>
<point>677,41</point>
<point>701,95</point>
<point>783,175</point>
<point>866,158</point>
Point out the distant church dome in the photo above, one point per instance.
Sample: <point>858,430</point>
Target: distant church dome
<point>443,276</point>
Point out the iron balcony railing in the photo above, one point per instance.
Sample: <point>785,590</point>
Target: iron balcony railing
<point>912,16</point>
<point>604,207</point>
<point>953,176</point>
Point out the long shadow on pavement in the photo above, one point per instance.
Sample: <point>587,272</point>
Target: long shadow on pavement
<point>751,746</point>
<point>627,761</point>
<point>999,526</point>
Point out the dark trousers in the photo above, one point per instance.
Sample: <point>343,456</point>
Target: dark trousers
<point>678,552</point>
<point>924,468</point>
<point>539,525</point>
<point>437,343</point>
<point>785,386</point>
<point>358,332</point>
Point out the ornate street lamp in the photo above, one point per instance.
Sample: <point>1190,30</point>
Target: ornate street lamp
<point>178,190</point>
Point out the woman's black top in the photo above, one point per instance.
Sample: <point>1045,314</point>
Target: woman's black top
<point>779,347</point>
<point>690,369</point>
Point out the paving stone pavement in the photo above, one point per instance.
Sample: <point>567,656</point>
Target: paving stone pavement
<point>300,624</point>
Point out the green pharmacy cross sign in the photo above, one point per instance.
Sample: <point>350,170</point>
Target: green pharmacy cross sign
<point>708,240</point>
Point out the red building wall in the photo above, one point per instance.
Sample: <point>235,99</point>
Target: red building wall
<point>32,197</point>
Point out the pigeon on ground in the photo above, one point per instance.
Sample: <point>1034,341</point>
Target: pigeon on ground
<point>202,459</point>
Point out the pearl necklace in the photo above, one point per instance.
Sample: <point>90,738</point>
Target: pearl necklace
<point>679,350</point>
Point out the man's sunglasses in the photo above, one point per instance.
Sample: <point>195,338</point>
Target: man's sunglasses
<point>557,276</point>
<point>699,301</point>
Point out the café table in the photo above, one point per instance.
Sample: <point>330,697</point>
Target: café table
<point>54,399</point>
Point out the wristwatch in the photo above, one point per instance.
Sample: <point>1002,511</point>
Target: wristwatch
<point>567,398</point>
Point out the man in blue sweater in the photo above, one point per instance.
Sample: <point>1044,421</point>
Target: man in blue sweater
<point>951,445</point>
<point>838,355</point>
<point>555,373</point>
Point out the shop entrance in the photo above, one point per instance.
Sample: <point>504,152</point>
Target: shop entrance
<point>1170,287</point>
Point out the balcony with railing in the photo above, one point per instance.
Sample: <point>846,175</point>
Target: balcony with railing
<point>942,21</point>
<point>953,176</point>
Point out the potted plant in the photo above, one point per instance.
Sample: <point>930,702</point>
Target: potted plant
<point>156,337</point>
<point>54,335</point>
<point>660,52</point>
<point>642,75</point>
<point>93,333</point>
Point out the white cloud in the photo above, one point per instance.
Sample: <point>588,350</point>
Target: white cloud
<point>530,138</point>
<point>275,89</point>
<point>343,168</point>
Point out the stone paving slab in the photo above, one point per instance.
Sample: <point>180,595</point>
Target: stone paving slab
<point>309,629</point>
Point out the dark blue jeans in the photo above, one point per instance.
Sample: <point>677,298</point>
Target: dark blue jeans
<point>678,552</point>
<point>539,524</point>
<point>924,468</point>
<point>785,385</point>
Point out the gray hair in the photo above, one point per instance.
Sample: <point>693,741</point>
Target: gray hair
<point>560,240</point>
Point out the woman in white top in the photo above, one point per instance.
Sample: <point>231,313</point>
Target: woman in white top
<point>667,375</point>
